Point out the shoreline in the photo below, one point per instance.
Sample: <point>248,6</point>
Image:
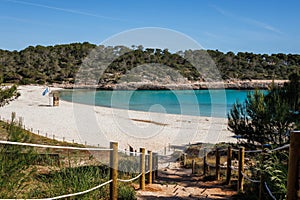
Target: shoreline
<point>230,84</point>
<point>96,125</point>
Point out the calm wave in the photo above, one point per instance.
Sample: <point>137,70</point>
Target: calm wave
<point>214,103</point>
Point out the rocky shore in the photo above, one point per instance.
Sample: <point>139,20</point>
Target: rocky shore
<point>238,85</point>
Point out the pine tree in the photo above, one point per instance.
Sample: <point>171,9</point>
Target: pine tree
<point>267,117</point>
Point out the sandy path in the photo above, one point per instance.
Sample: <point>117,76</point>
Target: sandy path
<point>175,182</point>
<point>99,125</point>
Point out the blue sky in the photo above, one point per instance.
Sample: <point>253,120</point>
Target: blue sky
<point>227,25</point>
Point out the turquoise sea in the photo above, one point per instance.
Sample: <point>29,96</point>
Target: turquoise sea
<point>214,103</point>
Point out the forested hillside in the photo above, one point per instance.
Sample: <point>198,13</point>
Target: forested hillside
<point>255,66</point>
<point>42,64</point>
<point>59,63</point>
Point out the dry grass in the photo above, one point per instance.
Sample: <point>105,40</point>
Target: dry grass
<point>70,171</point>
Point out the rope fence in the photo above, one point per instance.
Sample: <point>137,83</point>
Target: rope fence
<point>145,158</point>
<point>234,168</point>
<point>97,187</point>
<point>131,153</point>
<point>81,193</point>
<point>222,167</point>
<point>249,179</point>
<point>269,191</point>
<point>253,151</point>
<point>130,180</point>
<point>279,148</point>
<point>53,147</point>
<point>147,162</point>
<point>149,165</point>
<point>240,167</point>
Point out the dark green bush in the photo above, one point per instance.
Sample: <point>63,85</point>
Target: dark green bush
<point>126,192</point>
<point>15,163</point>
<point>7,94</point>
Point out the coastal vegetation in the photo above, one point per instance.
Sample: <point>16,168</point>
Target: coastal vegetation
<point>29,172</point>
<point>60,63</point>
<point>7,94</point>
<point>15,162</point>
<point>267,118</point>
<point>269,167</point>
<point>264,118</point>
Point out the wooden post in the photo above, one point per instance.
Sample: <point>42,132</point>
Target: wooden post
<point>53,137</point>
<point>154,169</point>
<point>150,167</point>
<point>193,166</point>
<point>114,171</point>
<point>142,164</point>
<point>156,165</point>
<point>228,170</point>
<point>69,158</point>
<point>204,163</point>
<point>261,184</point>
<point>165,151</point>
<point>217,164</point>
<point>184,159</point>
<point>293,167</point>
<point>131,150</point>
<point>240,187</point>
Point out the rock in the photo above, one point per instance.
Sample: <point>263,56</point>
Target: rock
<point>234,84</point>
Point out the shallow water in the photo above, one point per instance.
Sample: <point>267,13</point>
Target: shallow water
<point>212,103</point>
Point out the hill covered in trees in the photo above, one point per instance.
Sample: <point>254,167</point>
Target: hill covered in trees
<point>60,63</point>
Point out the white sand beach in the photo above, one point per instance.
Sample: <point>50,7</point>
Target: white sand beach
<point>97,126</point>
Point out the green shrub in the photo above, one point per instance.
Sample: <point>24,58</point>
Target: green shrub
<point>7,94</point>
<point>15,163</point>
<point>275,169</point>
<point>126,192</point>
<point>72,180</point>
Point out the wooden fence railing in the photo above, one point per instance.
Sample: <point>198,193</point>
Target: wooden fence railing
<point>152,163</point>
<point>293,167</point>
<point>293,182</point>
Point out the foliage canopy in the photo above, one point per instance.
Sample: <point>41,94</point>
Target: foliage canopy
<point>60,63</point>
<point>268,117</point>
